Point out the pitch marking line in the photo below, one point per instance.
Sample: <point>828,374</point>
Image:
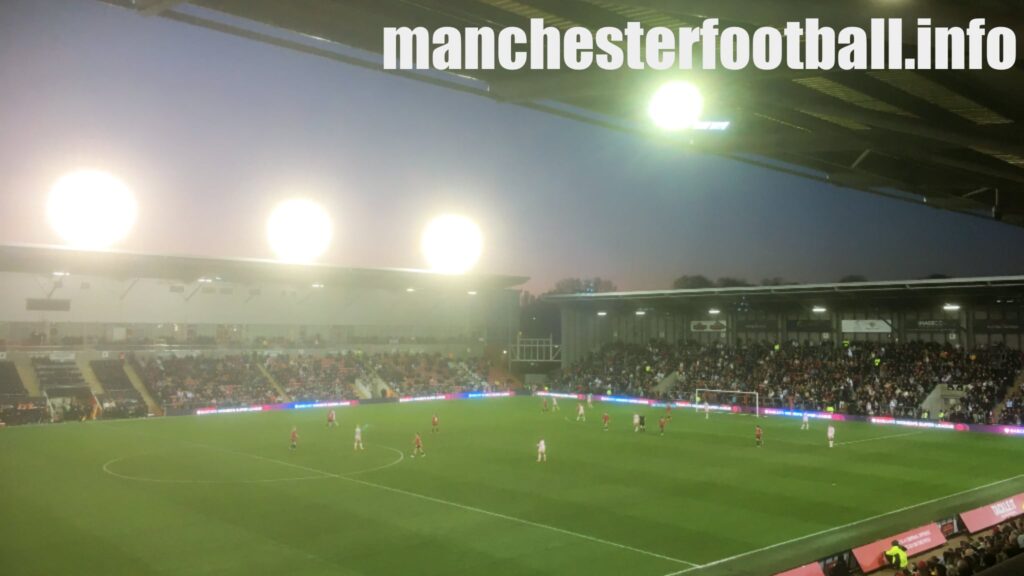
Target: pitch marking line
<point>461,506</point>
<point>849,525</point>
<point>319,476</point>
<point>914,433</point>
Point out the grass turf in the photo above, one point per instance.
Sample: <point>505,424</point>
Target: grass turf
<point>224,495</point>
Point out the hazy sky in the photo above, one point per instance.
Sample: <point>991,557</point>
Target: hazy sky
<point>210,131</point>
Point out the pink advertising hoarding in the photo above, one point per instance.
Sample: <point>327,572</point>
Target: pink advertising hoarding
<point>812,569</point>
<point>918,541</point>
<point>992,514</point>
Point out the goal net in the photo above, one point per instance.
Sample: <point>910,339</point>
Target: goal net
<point>727,397</point>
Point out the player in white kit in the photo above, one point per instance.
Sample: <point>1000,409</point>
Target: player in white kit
<point>590,400</point>
<point>707,410</point>
<point>636,422</point>
<point>831,436</point>
<point>542,451</point>
<point>806,424</point>
<point>358,444</point>
<point>554,404</point>
<point>581,414</point>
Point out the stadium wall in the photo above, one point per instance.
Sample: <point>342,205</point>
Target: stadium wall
<point>90,308</point>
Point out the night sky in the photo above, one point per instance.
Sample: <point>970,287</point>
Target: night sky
<point>210,131</point>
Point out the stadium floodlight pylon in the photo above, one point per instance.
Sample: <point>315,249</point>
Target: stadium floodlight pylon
<point>698,396</point>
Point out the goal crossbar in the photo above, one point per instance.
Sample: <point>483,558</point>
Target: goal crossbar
<point>698,397</point>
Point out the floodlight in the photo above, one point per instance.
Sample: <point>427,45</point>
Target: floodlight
<point>714,311</point>
<point>451,244</point>
<point>91,209</point>
<point>950,307</point>
<point>676,106</point>
<point>602,313</point>
<point>299,230</point>
<point>819,310</point>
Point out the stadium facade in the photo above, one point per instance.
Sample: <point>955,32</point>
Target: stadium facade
<point>968,312</point>
<point>55,297</point>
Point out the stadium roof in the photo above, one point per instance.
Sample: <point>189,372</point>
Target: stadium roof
<point>47,260</point>
<point>1010,288</point>
<point>950,139</point>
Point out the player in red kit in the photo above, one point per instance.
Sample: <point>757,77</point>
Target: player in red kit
<point>759,436</point>
<point>331,419</point>
<point>435,424</point>
<point>295,438</point>
<point>544,406</point>
<point>661,426</point>
<point>604,420</point>
<point>417,446</point>
<point>668,411</point>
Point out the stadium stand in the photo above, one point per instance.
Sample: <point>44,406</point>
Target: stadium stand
<point>309,377</point>
<point>16,407</point>
<point>861,378</point>
<point>121,399</point>
<point>66,391</point>
<point>185,383</point>
<point>57,373</point>
<point>422,374</point>
<point>10,381</point>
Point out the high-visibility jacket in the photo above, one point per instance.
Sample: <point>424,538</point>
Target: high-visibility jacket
<point>897,557</point>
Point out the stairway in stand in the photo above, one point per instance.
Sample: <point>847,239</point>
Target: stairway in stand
<point>140,386</point>
<point>273,382</point>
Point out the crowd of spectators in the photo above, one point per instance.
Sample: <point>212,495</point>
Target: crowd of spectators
<point>856,378</point>
<point>306,377</point>
<point>623,368</point>
<point>198,381</point>
<point>422,374</point>
<point>973,554</point>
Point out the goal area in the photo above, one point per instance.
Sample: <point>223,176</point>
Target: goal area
<point>713,396</point>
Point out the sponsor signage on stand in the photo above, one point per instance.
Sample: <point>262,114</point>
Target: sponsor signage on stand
<point>708,326</point>
<point>866,326</point>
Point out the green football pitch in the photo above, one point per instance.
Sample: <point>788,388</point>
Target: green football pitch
<point>224,494</point>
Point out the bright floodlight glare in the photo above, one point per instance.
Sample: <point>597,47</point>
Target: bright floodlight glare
<point>452,244</point>
<point>951,307</point>
<point>299,230</point>
<point>676,106</point>
<point>819,310</point>
<point>91,209</point>
<point>714,311</point>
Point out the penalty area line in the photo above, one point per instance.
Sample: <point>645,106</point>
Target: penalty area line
<point>844,526</point>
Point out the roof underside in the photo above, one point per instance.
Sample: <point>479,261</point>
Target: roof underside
<point>45,260</point>
<point>997,289</point>
<point>951,139</point>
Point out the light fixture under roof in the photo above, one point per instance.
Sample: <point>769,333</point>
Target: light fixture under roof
<point>951,307</point>
<point>602,313</point>
<point>714,311</point>
<point>819,309</point>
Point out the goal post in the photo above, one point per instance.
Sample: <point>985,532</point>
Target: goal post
<point>699,395</point>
